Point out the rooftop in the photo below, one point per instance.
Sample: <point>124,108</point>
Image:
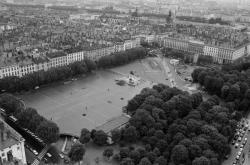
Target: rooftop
<point>56,54</point>
<point>8,136</point>
<point>114,123</point>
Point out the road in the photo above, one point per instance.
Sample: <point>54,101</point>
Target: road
<point>234,151</point>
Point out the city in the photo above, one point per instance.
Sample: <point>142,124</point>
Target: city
<point>108,82</point>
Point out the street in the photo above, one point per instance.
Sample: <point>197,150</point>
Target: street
<point>235,151</point>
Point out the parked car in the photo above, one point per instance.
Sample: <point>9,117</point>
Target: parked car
<point>61,155</point>
<point>49,155</point>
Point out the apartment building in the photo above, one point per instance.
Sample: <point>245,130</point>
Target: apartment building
<point>8,71</point>
<point>57,59</point>
<point>11,145</point>
<point>176,44</point>
<point>221,55</point>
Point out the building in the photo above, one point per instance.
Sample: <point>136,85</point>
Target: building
<point>59,58</point>
<point>114,123</point>
<point>11,145</point>
<point>221,55</point>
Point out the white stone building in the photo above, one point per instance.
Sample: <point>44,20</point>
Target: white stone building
<point>11,145</point>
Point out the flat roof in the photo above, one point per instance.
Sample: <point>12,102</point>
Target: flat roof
<point>114,123</point>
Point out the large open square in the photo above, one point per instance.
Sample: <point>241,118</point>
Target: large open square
<point>97,95</point>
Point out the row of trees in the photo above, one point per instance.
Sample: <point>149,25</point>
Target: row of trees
<point>177,128</point>
<point>16,84</point>
<point>231,83</point>
<point>30,81</point>
<point>28,118</point>
<point>203,60</point>
<point>120,58</point>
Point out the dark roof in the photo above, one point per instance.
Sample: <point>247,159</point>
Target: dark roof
<point>56,54</point>
<point>114,123</point>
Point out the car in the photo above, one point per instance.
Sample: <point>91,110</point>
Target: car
<point>237,157</point>
<point>61,155</point>
<point>239,139</point>
<point>35,152</point>
<point>236,137</point>
<point>233,142</point>
<point>45,160</point>
<point>236,145</point>
<point>49,155</point>
<point>241,146</point>
<point>66,161</point>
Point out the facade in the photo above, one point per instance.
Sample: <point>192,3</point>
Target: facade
<point>57,59</point>
<point>176,44</point>
<point>11,145</point>
<point>221,55</point>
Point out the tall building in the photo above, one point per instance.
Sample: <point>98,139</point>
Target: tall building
<point>11,145</point>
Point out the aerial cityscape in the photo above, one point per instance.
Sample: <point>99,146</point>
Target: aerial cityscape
<point>124,82</point>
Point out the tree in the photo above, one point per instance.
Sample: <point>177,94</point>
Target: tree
<point>100,138</point>
<point>195,74</point>
<point>194,151</point>
<point>25,116</point>
<point>108,152</point>
<point>92,133</point>
<point>91,65</point>
<point>85,136</point>
<point>116,135</point>
<point>135,156</point>
<point>10,103</point>
<point>151,156</point>
<point>55,154</point>
<point>161,161</point>
<point>201,161</point>
<point>127,161</point>
<point>124,152</point>
<point>130,134</point>
<point>77,152</point>
<point>48,132</point>
<point>179,154</point>
<point>145,161</point>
